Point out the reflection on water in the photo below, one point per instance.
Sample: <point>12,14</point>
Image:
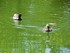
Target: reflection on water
<point>64,50</point>
<point>32,44</point>
<point>47,50</point>
<point>17,23</point>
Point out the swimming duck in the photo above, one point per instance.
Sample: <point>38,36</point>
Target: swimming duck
<point>48,27</point>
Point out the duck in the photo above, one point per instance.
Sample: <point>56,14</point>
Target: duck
<point>48,27</point>
<point>17,17</point>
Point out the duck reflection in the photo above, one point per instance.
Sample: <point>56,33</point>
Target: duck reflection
<point>17,18</point>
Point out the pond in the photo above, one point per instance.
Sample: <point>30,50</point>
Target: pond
<point>27,36</point>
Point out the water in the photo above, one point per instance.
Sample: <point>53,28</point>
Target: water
<point>27,36</point>
<point>47,50</point>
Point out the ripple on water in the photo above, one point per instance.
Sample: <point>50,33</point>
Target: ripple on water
<point>19,26</point>
<point>54,14</point>
<point>68,4</point>
<point>31,6</point>
<point>37,28</point>
<point>26,34</point>
<point>30,26</point>
<point>66,11</point>
<point>31,12</point>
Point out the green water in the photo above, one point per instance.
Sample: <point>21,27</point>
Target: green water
<point>28,37</point>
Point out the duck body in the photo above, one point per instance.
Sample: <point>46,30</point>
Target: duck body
<point>47,28</point>
<point>17,17</point>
